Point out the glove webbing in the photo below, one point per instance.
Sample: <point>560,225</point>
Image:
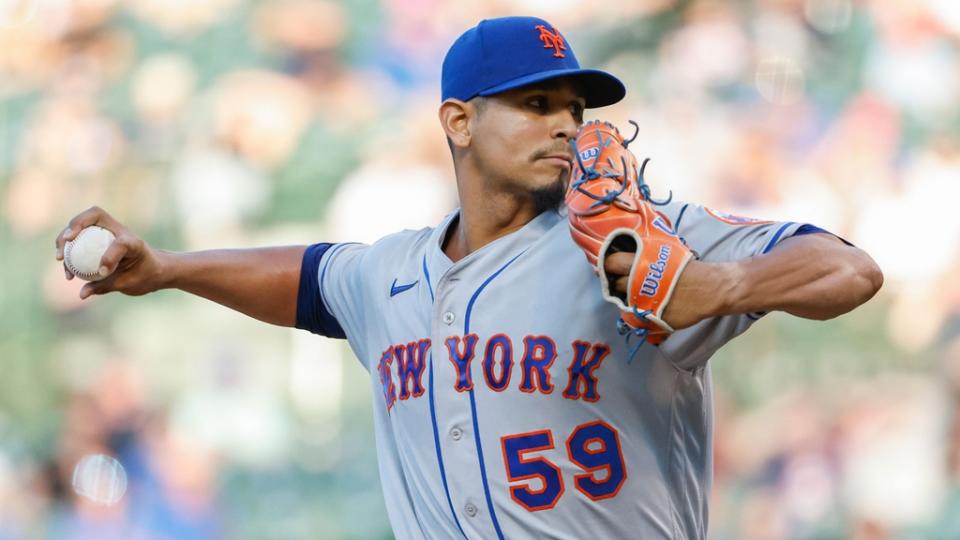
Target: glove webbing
<point>591,173</point>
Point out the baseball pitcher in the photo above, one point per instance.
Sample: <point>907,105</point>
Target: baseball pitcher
<point>539,360</point>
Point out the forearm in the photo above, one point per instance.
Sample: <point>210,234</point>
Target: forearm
<point>262,283</point>
<point>812,276</point>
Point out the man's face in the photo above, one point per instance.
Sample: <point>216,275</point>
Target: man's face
<point>520,139</point>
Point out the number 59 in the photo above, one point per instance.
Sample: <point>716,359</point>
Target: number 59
<point>594,447</point>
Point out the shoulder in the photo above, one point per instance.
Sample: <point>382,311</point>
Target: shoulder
<point>684,214</point>
<point>356,267</point>
<point>410,241</point>
<point>674,210</point>
<point>389,253</point>
<point>401,242</point>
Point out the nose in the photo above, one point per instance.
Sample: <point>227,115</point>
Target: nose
<point>565,125</point>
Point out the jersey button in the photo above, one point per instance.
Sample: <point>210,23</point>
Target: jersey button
<point>470,509</point>
<point>456,433</point>
<point>448,317</point>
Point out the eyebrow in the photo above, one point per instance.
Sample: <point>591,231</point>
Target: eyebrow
<point>555,84</point>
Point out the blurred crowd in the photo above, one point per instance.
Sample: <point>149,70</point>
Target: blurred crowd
<point>232,123</point>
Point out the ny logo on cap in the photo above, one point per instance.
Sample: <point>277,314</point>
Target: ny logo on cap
<point>552,40</point>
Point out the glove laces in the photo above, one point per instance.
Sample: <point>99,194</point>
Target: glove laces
<point>628,331</point>
<point>641,184</point>
<point>592,173</point>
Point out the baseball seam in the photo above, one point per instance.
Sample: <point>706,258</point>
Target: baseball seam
<point>67,249</point>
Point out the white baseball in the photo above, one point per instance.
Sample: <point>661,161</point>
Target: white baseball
<point>82,254</point>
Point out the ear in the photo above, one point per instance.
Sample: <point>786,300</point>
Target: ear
<point>455,118</point>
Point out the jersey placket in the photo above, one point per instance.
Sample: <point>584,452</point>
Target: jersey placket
<point>456,288</point>
<point>455,419</point>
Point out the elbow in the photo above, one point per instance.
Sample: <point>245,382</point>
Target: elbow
<point>869,278</point>
<point>864,281</point>
<point>859,283</point>
<point>876,279</point>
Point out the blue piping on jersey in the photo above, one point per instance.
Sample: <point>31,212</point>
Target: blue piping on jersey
<point>473,401</point>
<point>436,443</point>
<point>433,414</point>
<point>776,236</point>
<point>426,274</point>
<point>676,226</point>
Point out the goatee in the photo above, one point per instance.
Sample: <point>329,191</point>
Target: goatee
<point>550,197</point>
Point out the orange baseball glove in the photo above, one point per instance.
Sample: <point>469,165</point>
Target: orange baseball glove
<point>610,210</point>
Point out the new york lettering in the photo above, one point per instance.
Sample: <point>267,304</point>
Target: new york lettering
<point>401,366</point>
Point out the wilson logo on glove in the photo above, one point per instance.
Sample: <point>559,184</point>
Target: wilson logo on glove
<point>652,282</point>
<point>589,154</point>
<point>610,210</point>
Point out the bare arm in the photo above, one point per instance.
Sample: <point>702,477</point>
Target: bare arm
<point>814,276</point>
<point>262,283</point>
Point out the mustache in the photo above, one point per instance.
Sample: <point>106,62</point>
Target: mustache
<point>553,151</point>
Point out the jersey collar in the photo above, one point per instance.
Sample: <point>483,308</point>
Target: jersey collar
<point>502,248</point>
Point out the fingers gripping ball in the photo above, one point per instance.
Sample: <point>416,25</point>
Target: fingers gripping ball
<point>610,210</point>
<point>82,254</point>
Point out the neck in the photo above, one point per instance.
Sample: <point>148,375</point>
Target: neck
<point>485,215</point>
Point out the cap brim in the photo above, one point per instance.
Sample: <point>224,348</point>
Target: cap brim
<point>599,87</point>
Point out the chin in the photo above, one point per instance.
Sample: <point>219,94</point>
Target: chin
<point>550,194</point>
<point>551,178</point>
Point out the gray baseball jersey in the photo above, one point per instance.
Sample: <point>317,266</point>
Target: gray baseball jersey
<point>506,404</point>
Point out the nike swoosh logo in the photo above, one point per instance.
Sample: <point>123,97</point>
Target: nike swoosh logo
<point>397,289</point>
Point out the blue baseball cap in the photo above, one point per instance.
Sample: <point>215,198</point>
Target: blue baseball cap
<point>509,52</point>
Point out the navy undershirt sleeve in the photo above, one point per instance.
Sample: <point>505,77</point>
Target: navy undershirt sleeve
<point>312,314</point>
<point>811,229</point>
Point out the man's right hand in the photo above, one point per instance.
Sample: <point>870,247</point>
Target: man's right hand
<point>260,282</point>
<point>133,267</point>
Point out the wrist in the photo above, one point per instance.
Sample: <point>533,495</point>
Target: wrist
<point>705,290</point>
<point>731,288</point>
<point>167,274</point>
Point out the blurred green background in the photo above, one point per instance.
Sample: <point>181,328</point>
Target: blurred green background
<point>232,123</point>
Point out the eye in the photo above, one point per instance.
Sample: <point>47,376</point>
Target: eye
<point>577,109</point>
<point>538,102</point>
